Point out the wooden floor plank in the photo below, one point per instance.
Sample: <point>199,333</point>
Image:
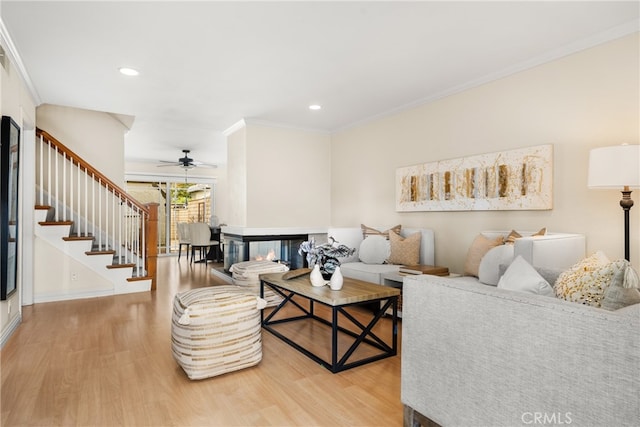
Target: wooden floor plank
<point>107,362</point>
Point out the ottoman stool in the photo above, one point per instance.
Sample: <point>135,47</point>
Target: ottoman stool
<point>246,275</point>
<point>215,330</point>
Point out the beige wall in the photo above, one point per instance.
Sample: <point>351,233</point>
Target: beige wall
<point>585,100</point>
<point>279,177</point>
<point>15,101</point>
<point>237,177</point>
<point>95,136</point>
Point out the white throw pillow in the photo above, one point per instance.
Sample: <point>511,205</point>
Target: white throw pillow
<point>522,277</point>
<point>374,250</point>
<point>489,268</point>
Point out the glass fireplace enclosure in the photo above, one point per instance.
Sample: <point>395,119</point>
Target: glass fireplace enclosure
<point>277,248</point>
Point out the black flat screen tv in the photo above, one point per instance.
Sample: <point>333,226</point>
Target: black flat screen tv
<point>9,167</point>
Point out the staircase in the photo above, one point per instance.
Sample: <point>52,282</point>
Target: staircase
<point>98,239</point>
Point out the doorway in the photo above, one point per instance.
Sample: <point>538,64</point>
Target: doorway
<point>178,201</point>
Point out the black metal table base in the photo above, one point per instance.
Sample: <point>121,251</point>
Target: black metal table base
<point>338,362</point>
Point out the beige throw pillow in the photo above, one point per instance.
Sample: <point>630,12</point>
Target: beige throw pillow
<point>480,246</point>
<point>370,231</point>
<point>405,251</point>
<point>511,237</point>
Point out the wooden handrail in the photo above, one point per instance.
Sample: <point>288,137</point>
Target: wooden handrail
<point>84,165</point>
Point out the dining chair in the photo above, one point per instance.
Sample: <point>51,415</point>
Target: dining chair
<point>183,238</point>
<point>200,235</point>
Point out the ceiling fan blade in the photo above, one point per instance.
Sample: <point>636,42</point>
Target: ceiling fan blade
<point>203,165</point>
<point>186,162</point>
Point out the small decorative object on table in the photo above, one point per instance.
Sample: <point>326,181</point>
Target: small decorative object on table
<point>316,277</point>
<point>336,280</point>
<point>325,255</point>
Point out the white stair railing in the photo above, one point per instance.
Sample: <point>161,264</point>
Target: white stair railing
<point>97,207</point>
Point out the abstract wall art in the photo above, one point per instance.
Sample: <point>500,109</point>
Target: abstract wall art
<point>520,179</point>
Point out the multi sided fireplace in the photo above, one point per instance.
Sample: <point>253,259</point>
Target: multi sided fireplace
<point>256,244</point>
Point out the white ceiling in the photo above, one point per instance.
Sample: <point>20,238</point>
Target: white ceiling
<point>205,65</point>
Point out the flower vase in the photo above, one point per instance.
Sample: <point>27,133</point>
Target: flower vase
<point>336,280</point>
<point>316,276</point>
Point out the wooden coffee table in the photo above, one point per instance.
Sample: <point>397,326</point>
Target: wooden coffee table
<point>299,298</point>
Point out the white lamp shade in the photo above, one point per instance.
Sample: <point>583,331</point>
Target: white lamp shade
<point>614,167</point>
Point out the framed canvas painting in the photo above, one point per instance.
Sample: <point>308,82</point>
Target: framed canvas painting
<point>520,179</point>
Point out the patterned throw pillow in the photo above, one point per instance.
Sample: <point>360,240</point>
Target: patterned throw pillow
<point>587,281</point>
<point>405,251</point>
<point>369,231</point>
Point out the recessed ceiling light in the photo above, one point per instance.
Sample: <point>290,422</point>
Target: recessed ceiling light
<point>129,71</point>
<point>315,107</point>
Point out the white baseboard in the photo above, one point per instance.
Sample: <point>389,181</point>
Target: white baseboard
<point>53,297</point>
<point>10,329</point>
<point>132,287</point>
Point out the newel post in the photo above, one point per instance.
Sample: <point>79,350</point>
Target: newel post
<point>151,231</point>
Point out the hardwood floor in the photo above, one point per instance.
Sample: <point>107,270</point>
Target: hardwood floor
<point>107,362</point>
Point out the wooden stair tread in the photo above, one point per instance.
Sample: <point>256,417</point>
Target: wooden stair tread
<point>105,252</point>
<point>42,207</point>
<point>74,238</point>
<point>120,266</point>
<point>137,279</point>
<point>47,223</point>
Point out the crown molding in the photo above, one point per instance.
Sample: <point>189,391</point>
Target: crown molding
<point>234,127</point>
<point>267,123</point>
<point>594,40</point>
<point>16,60</point>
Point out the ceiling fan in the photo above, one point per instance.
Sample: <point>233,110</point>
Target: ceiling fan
<point>187,162</point>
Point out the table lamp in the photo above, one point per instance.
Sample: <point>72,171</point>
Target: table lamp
<point>616,167</point>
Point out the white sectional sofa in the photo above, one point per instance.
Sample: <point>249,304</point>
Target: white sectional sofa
<point>354,268</point>
<point>481,355</point>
